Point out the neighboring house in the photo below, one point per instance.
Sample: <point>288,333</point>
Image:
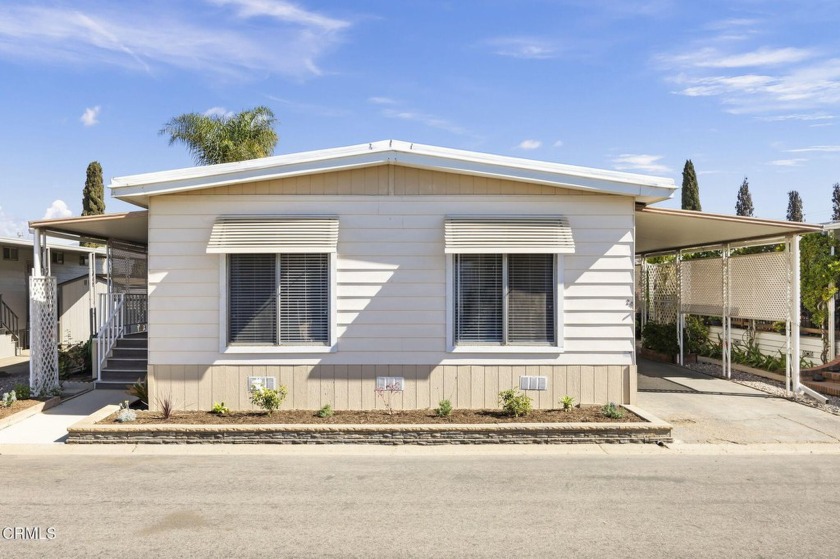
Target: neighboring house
<point>67,263</point>
<point>447,274</point>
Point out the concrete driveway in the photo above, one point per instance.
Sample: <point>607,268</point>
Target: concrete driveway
<point>704,409</point>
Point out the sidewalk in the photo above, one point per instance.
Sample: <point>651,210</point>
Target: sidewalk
<point>51,426</point>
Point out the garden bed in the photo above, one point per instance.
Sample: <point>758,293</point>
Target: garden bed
<point>583,425</point>
<point>22,409</point>
<point>583,414</point>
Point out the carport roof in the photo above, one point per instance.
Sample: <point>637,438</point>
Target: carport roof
<point>130,226</point>
<point>662,229</point>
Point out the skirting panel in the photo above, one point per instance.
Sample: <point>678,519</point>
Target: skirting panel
<point>191,387</point>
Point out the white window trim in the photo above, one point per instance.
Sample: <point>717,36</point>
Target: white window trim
<point>268,349</point>
<point>559,284</point>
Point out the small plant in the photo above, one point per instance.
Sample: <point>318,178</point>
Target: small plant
<point>126,414</point>
<point>9,398</point>
<point>140,390</point>
<point>515,404</point>
<point>326,411</point>
<point>22,391</point>
<point>386,394</point>
<point>612,411</point>
<point>219,408</point>
<point>166,407</point>
<point>268,399</point>
<point>444,408</point>
<point>567,402</point>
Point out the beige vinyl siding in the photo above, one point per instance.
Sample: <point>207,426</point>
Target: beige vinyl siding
<point>352,386</point>
<point>74,313</point>
<point>771,343</point>
<point>390,270</point>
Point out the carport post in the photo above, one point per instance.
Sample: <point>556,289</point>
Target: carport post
<point>726,320</point>
<point>795,313</point>
<point>680,316</point>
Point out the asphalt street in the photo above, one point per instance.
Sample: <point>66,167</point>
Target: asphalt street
<point>459,504</point>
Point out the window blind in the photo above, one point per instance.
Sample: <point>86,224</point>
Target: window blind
<point>304,298</point>
<point>272,234</point>
<point>252,300</point>
<point>503,235</point>
<point>478,314</point>
<point>530,298</point>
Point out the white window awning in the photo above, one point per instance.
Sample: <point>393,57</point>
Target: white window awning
<point>273,234</point>
<point>509,235</point>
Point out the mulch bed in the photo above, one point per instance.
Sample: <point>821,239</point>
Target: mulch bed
<point>16,407</point>
<point>583,414</point>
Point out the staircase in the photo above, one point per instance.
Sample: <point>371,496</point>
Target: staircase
<point>10,325</point>
<point>127,362</point>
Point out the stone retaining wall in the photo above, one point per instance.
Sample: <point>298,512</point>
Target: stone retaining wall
<point>653,430</point>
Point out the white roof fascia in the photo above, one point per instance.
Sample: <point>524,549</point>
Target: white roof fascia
<point>647,189</point>
<point>28,243</point>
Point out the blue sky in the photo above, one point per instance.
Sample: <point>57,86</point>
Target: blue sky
<point>743,88</point>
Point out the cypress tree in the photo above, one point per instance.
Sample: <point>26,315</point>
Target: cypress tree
<point>690,188</point>
<point>835,202</point>
<point>794,209</point>
<point>93,196</point>
<point>744,204</point>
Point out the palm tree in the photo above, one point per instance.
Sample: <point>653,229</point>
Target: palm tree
<point>215,139</point>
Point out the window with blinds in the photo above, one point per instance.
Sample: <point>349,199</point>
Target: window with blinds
<point>279,299</point>
<point>304,298</point>
<point>505,299</point>
<point>252,299</point>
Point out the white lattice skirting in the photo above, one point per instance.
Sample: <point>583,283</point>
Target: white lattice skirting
<point>43,363</point>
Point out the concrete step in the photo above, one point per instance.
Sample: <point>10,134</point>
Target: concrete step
<point>142,343</point>
<point>126,377</point>
<point>109,385</point>
<point>126,365</point>
<point>827,388</point>
<point>130,353</point>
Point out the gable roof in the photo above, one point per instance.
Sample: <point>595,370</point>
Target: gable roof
<point>138,188</point>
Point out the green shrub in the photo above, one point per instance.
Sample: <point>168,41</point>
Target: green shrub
<point>22,391</point>
<point>696,334</point>
<point>444,408</point>
<point>661,338</point>
<point>140,389</point>
<point>219,408</point>
<point>515,404</point>
<point>567,402</point>
<point>326,411</point>
<point>612,411</point>
<point>269,399</point>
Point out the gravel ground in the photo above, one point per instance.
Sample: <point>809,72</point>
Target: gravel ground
<point>766,385</point>
<point>8,382</point>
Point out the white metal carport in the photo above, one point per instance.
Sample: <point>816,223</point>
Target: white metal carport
<point>758,286</point>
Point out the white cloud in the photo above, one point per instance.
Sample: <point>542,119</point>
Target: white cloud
<point>91,116</point>
<point>57,210</point>
<point>640,162</point>
<point>803,117</point>
<point>381,101</point>
<point>819,149</point>
<point>524,47</point>
<point>218,111</point>
<point>787,162</point>
<point>754,79</point>
<point>424,118</point>
<point>156,35</point>
<point>11,226</point>
<point>529,144</point>
<point>558,144</point>
<point>283,11</point>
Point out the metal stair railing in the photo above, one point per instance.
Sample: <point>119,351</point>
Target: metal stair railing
<point>10,322</point>
<point>111,330</point>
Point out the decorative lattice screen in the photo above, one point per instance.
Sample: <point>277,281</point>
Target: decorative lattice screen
<point>701,286</point>
<point>759,286</point>
<point>43,364</point>
<point>127,268</point>
<point>661,288</point>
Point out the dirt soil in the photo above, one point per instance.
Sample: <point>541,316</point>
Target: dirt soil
<point>16,407</point>
<point>583,414</point>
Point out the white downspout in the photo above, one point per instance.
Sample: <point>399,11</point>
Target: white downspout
<point>795,313</point>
